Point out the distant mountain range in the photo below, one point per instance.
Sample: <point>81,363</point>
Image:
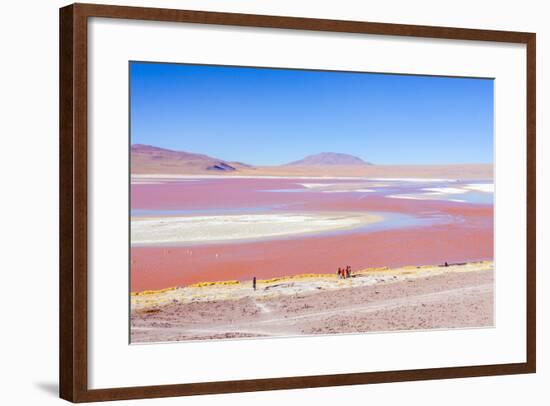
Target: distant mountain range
<point>149,159</point>
<point>329,158</point>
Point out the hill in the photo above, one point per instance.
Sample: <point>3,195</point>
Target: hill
<point>149,159</point>
<point>329,158</point>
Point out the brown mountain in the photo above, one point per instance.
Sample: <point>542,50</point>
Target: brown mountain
<point>329,158</point>
<point>150,159</point>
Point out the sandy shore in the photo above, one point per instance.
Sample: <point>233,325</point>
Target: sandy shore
<point>458,171</point>
<point>375,299</point>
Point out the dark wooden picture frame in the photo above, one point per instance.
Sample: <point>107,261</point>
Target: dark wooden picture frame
<point>73,277</point>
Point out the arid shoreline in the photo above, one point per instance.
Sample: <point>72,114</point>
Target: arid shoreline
<point>463,171</point>
<point>376,299</point>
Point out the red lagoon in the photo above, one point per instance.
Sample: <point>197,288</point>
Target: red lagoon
<point>453,228</point>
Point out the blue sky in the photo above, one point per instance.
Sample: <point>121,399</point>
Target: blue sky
<point>274,116</point>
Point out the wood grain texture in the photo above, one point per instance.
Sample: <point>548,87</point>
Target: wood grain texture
<point>73,200</point>
<point>66,131</point>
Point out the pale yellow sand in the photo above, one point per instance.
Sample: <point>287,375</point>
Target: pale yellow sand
<point>461,171</point>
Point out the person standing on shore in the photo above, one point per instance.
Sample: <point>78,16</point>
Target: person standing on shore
<point>254,283</point>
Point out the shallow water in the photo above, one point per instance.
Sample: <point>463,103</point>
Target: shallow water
<point>449,222</point>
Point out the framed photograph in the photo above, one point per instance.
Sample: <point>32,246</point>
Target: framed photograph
<point>255,202</point>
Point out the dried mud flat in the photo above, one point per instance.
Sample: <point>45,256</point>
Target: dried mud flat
<point>408,298</point>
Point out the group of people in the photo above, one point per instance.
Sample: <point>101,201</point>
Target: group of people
<point>344,273</point>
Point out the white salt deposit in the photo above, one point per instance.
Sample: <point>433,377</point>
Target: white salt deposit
<point>202,229</point>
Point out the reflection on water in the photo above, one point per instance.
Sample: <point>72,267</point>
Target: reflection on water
<point>400,221</point>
